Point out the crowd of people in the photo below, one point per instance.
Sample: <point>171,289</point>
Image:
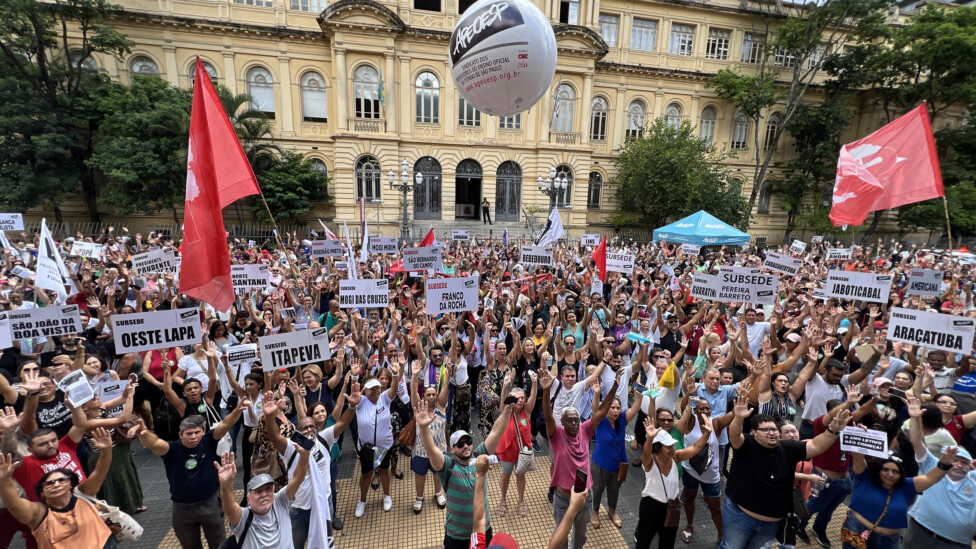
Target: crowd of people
<point>603,372</point>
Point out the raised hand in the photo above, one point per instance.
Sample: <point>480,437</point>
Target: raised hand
<point>481,465</point>
<point>136,430</point>
<point>226,470</point>
<point>270,404</point>
<point>650,429</point>
<point>914,407</point>
<point>7,466</point>
<point>102,440</point>
<point>424,417</point>
<point>742,410</point>
<point>853,394</point>
<point>9,419</point>
<point>840,421</point>
<point>545,379</point>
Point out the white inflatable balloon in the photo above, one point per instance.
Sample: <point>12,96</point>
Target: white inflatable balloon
<point>503,56</point>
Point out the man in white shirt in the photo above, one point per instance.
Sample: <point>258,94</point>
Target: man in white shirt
<point>755,332</point>
<point>569,392</point>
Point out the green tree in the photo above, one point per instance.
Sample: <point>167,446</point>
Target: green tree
<point>290,186</point>
<point>669,173</point>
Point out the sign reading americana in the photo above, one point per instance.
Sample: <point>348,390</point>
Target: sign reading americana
<point>537,255</point>
<point>863,286</point>
<point>364,292</point>
<point>924,282</point>
<point>782,263</point>
<point>932,330</point>
<point>156,330</point>
<point>746,285</point>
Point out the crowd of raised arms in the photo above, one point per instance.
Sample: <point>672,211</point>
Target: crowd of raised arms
<point>743,402</point>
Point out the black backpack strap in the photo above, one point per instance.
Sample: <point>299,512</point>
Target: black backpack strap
<point>290,461</point>
<point>247,526</point>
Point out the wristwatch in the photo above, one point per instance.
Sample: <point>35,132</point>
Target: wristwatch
<point>831,431</point>
<point>944,466</point>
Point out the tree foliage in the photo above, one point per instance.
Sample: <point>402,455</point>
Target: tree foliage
<point>669,173</point>
<point>290,186</point>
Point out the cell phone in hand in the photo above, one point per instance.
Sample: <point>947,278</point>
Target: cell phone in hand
<point>511,399</point>
<point>898,393</point>
<point>302,441</point>
<point>580,484</point>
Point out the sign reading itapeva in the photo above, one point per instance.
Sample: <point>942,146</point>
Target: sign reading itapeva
<point>383,245</point>
<point>932,330</point>
<point>747,285</point>
<point>327,248</point>
<point>863,286</point>
<point>451,295</point>
<point>156,330</point>
<point>924,282</point>
<point>155,261</point>
<point>246,277</point>
<point>537,255</point>
<point>364,292</point>
<point>294,348</point>
<point>782,263</point>
<point>421,259</point>
<point>620,262</point>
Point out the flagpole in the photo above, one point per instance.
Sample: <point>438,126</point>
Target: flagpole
<point>274,225</point>
<point>945,206</point>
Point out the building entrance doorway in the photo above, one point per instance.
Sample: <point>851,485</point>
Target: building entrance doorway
<point>467,194</point>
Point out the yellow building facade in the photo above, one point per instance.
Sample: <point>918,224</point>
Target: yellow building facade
<point>318,69</point>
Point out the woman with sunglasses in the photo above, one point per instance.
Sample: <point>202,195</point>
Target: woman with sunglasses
<point>515,439</point>
<point>957,424</point>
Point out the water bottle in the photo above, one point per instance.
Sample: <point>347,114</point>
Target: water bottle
<point>814,491</point>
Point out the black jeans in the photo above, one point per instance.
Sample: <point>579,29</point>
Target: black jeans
<point>486,215</point>
<point>651,523</point>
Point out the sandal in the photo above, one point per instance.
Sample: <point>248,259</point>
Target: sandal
<point>687,535</point>
<point>441,498</point>
<point>398,474</point>
<point>615,518</point>
<point>502,509</point>
<point>595,520</point>
<point>418,505</point>
<point>523,509</point>
<point>375,483</point>
<point>141,509</point>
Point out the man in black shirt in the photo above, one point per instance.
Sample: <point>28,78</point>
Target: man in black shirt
<point>759,492</point>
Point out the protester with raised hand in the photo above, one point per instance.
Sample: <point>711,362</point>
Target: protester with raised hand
<point>376,437</point>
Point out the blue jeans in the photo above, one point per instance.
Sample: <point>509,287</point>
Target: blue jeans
<point>299,526</point>
<point>740,531</point>
<point>829,499</point>
<point>769,545</point>
<point>876,540</point>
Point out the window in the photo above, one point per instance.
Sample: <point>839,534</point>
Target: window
<point>467,114</point>
<point>635,119</point>
<point>564,109</point>
<point>682,39</point>
<point>429,5</point>
<point>608,28</point>
<point>315,6</point>
<point>673,115</point>
<point>463,5</point>
<point>751,48</point>
<point>772,126</point>
<point>717,46</point>
<point>428,98</point>
<point>314,105</point>
<point>141,64</point>
<point>643,34</point>
<point>816,56</point>
<point>598,119</point>
<point>765,197</point>
<point>259,3</point>
<point>260,87</point>
<point>784,58</point>
<point>510,122</point>
<point>211,72</point>
<point>740,131</point>
<point>593,190</point>
<point>366,90</point>
<point>368,178</point>
<point>569,12</point>
<point>319,167</point>
<point>88,64</point>
<point>563,198</point>
<point>706,125</point>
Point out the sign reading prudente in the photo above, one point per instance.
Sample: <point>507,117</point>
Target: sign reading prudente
<point>620,262</point>
<point>155,261</point>
<point>246,277</point>
<point>924,282</point>
<point>43,322</point>
<point>290,349</point>
<point>862,286</point>
<point>11,222</point>
<point>156,330</point>
<point>782,263</point>
<point>364,292</point>
<point>451,295</point>
<point>421,259</point>
<point>746,285</point>
<point>383,245</point>
<point>932,330</point>
<point>327,248</point>
<point>537,255</point>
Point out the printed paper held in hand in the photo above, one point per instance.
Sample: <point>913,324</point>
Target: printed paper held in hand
<point>864,441</point>
<point>76,388</point>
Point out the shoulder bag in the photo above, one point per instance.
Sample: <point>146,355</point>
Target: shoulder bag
<point>673,516</point>
<point>526,457</point>
<point>124,528</point>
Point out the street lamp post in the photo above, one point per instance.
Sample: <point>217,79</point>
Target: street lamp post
<point>553,185</point>
<point>404,187</point>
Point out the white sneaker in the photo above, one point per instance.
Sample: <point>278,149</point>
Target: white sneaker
<point>387,504</point>
<point>360,509</point>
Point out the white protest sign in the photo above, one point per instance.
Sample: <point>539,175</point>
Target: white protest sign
<point>797,247</point>
<point>154,261</point>
<point>820,293</point>
<point>590,240</point>
<point>689,249</point>
<point>383,245</point>
<point>460,236</point>
<point>21,272</point>
<point>88,250</point>
<point>864,286</point>
<point>246,277</point>
<point>327,248</point>
<point>156,330</point>
<point>294,348</point>
<point>620,262</point>
<point>421,259</point>
<point>11,222</point>
<point>746,285</point>
<point>704,286</point>
<point>782,263</point>
<point>932,330</point>
<point>43,322</point>
<point>834,254</point>
<point>364,292</point>
<point>76,388</point>
<point>236,354</point>
<point>817,239</point>
<point>596,285</point>
<point>108,390</point>
<point>451,295</point>
<point>864,441</point>
<point>537,255</point>
<point>924,282</point>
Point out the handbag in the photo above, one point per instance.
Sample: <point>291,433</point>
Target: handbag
<point>225,444</point>
<point>673,516</point>
<point>124,528</point>
<point>526,457</point>
<point>487,395</point>
<point>408,434</point>
<point>786,529</point>
<point>231,541</point>
<point>266,461</point>
<point>800,504</point>
<point>462,394</point>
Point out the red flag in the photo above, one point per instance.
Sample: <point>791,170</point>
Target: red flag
<point>893,166</point>
<point>429,239</point>
<point>600,256</point>
<point>217,174</point>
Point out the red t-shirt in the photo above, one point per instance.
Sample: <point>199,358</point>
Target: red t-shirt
<point>833,459</point>
<point>956,427</point>
<point>32,469</point>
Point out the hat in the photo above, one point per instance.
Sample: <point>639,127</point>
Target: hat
<point>879,381</point>
<point>795,338</point>
<point>458,435</point>
<point>503,541</point>
<point>962,453</point>
<point>372,384</point>
<point>664,438</point>
<point>259,481</point>
<point>842,330</point>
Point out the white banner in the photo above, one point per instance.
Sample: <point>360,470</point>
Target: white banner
<point>590,240</point>
<point>924,282</point>
<point>326,248</point>
<point>383,245</point>
<point>620,262</point>
<point>864,441</point>
<point>364,292</point>
<point>460,236</point>
<point>156,330</point>
<point>798,247</point>
<point>88,250</point>
<point>932,330</point>
<point>236,354</point>
<point>690,249</point>
<point>537,255</point>
<point>451,295</point>
<point>864,286</point>
<point>42,322</point>
<point>154,261</point>
<point>704,286</point>
<point>782,263</point>
<point>11,222</point>
<point>294,348</point>
<point>421,259</point>
<point>834,254</point>
<point>746,285</point>
<point>817,239</point>
<point>22,272</point>
<point>246,277</point>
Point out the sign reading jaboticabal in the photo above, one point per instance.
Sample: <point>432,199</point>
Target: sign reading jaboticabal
<point>863,286</point>
<point>156,330</point>
<point>364,292</point>
<point>383,245</point>
<point>746,285</point>
<point>326,248</point>
<point>451,295</point>
<point>864,441</point>
<point>42,322</point>
<point>87,250</point>
<point>704,286</point>
<point>782,263</point>
<point>246,277</point>
<point>798,247</point>
<point>294,348</point>
<point>460,236</point>
<point>155,261</point>
<point>246,352</point>
<point>932,330</point>
<point>11,222</point>
<point>924,282</point>
<point>689,249</point>
<point>590,240</point>
<point>537,255</point>
<point>834,254</point>
<point>620,262</point>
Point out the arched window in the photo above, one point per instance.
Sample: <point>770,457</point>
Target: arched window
<point>141,64</point>
<point>565,196</point>
<point>260,86</point>
<point>366,90</point>
<point>428,98</point>
<point>772,126</point>
<point>87,64</point>
<point>706,125</point>
<point>368,178</point>
<point>593,191</point>
<point>673,115</point>
<point>598,119</point>
<point>211,72</point>
<point>740,131</point>
<point>315,108</point>
<point>564,110</point>
<point>765,197</point>
<point>635,119</point>
<point>319,167</point>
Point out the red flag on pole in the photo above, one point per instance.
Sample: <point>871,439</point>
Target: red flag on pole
<point>217,174</point>
<point>429,239</point>
<point>893,166</point>
<point>600,257</point>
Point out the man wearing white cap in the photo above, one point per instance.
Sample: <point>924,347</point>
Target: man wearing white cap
<point>376,437</point>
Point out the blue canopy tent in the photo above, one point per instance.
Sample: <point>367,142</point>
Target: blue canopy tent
<point>703,229</point>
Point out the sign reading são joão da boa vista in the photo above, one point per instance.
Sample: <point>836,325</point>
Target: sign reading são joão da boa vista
<point>932,330</point>
<point>156,330</point>
<point>42,321</point>
<point>862,286</point>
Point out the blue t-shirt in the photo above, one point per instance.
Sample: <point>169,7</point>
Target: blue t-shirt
<point>719,403</point>
<point>611,450</point>
<point>191,472</point>
<point>869,501</point>
<point>966,384</point>
<point>948,508</point>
